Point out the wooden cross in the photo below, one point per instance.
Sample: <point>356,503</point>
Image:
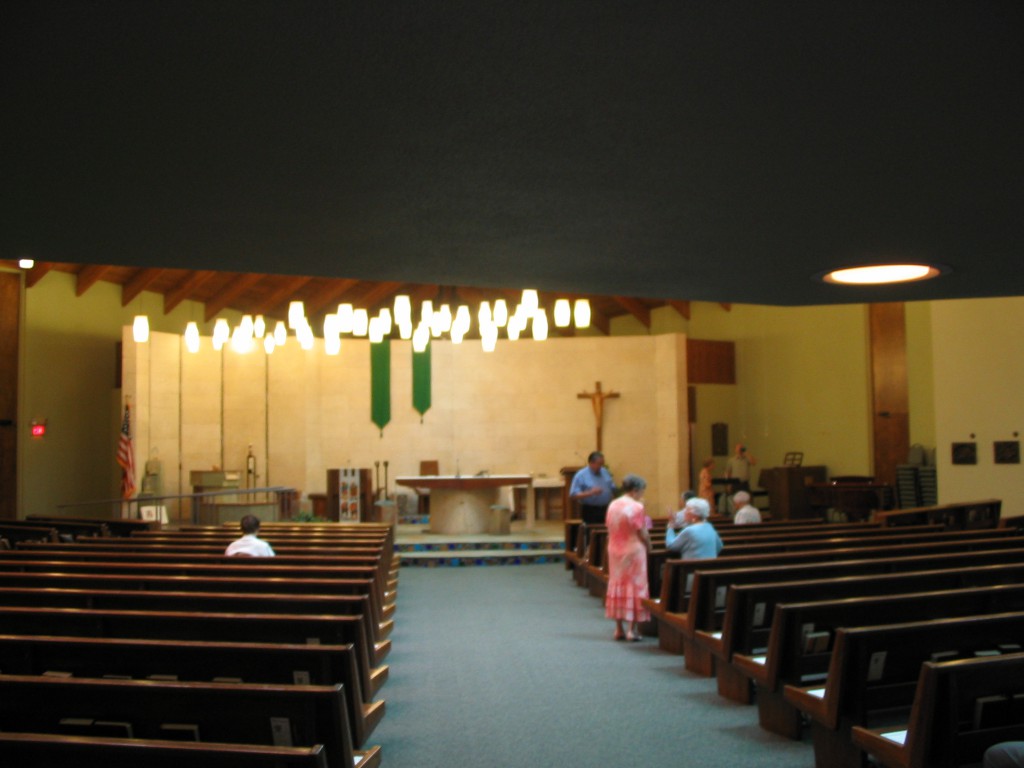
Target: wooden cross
<point>597,398</point>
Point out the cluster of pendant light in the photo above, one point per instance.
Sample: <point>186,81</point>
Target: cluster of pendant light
<point>434,322</point>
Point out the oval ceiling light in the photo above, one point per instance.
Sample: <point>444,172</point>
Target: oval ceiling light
<point>880,274</point>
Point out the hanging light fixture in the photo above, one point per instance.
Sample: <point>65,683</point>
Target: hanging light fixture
<point>403,310</point>
<point>462,320</point>
<point>332,344</point>
<point>259,327</point>
<point>421,337</point>
<point>140,329</point>
<point>530,300</point>
<point>221,333</point>
<point>296,314</point>
<point>483,315</point>
<point>376,330</point>
<point>405,330</point>
<point>192,337</point>
<point>305,336</point>
<point>489,336</point>
<point>513,328</point>
<point>346,318</point>
<point>540,325</point>
<point>269,343</point>
<point>385,321</point>
<point>360,322</point>
<point>563,313</point>
<point>581,313</point>
<point>241,339</point>
<point>280,334</point>
<point>426,311</point>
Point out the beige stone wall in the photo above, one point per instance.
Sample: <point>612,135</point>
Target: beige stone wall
<point>515,410</point>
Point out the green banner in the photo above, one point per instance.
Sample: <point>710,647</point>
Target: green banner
<point>421,381</point>
<point>380,384</point>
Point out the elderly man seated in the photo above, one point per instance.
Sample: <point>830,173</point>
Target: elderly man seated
<point>746,513</point>
<point>699,539</point>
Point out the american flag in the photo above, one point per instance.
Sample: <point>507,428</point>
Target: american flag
<point>126,456</point>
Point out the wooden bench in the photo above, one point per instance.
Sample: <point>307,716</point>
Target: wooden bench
<point>237,713</point>
<point>959,516</point>
<point>873,675</point>
<point>111,752</point>
<point>15,532</point>
<point>710,582</point>
<point>67,530</point>
<point>942,731</point>
<point>197,661</point>
<point>785,655</point>
<point>206,601</point>
<point>285,628</point>
<point>365,578</point>
<point>115,525</point>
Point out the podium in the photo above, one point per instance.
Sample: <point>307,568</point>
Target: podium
<point>787,490</point>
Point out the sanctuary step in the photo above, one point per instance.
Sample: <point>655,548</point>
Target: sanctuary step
<point>542,544</point>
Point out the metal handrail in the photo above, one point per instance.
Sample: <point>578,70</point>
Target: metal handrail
<point>120,509</point>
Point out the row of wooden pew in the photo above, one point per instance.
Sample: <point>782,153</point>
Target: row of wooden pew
<point>887,641</point>
<point>156,647</point>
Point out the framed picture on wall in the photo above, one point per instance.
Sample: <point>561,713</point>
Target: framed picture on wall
<point>1006,451</point>
<point>965,453</point>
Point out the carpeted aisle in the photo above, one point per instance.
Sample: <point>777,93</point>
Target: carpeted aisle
<point>515,666</point>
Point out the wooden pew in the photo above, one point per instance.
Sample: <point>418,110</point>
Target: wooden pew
<point>219,602</point>
<point>240,571</point>
<point>170,625</point>
<point>116,526</point>
<point>110,752</point>
<point>960,516</point>
<point>15,532</point>
<point>228,713</point>
<point>197,661</point>
<point>67,530</point>
<point>783,655</point>
<point>942,730</point>
<point>711,583</point>
<point>873,674</point>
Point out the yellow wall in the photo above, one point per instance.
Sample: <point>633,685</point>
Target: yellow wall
<point>979,377</point>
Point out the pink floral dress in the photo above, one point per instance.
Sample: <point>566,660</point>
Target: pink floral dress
<point>627,561</point>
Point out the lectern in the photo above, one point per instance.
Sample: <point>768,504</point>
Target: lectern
<point>787,490</point>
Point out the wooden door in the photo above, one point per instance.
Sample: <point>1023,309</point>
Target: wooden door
<point>890,396</point>
<point>10,313</point>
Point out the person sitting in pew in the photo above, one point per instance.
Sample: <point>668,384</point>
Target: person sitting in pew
<point>746,513</point>
<point>250,544</point>
<point>699,539</point>
<point>1008,754</point>
<point>677,521</point>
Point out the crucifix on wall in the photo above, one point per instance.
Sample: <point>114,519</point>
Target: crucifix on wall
<point>597,398</point>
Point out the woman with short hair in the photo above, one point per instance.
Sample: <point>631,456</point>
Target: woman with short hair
<point>628,545</point>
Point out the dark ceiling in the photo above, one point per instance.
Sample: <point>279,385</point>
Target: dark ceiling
<point>714,151</point>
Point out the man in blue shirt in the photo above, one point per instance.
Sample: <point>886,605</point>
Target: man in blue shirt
<point>593,488</point>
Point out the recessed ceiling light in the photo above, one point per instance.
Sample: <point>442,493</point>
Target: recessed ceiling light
<point>878,274</point>
<point>26,263</point>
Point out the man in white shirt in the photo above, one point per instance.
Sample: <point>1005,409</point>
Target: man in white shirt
<point>250,544</point>
<point>746,513</point>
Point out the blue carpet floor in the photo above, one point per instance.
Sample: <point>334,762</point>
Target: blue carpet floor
<point>515,666</point>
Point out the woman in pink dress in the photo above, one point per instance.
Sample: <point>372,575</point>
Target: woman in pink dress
<point>628,544</point>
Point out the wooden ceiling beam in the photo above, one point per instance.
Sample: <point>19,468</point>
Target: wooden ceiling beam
<point>37,273</point>
<point>287,289</point>
<point>239,285</point>
<point>636,308</point>
<point>600,321</point>
<point>327,295</point>
<point>682,307</point>
<point>88,276</point>
<point>379,292</point>
<point>183,290</point>
<point>138,283</point>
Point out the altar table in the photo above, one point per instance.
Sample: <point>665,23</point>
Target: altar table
<point>461,504</point>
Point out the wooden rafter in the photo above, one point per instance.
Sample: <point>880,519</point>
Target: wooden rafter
<point>37,273</point>
<point>88,276</point>
<point>286,290</point>
<point>379,292</point>
<point>600,321</point>
<point>184,288</point>
<point>328,294</point>
<point>239,285</point>
<point>636,308</point>
<point>682,307</point>
<point>138,283</point>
